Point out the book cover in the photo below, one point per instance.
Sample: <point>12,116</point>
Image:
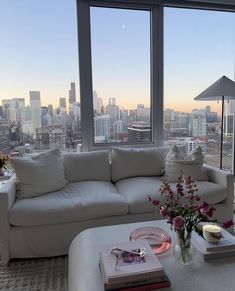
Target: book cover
<point>126,265</point>
<point>148,287</point>
<point>227,242</point>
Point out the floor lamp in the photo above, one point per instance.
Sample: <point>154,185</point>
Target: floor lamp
<point>223,89</point>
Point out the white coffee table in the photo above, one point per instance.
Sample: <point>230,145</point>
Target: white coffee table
<point>84,275</point>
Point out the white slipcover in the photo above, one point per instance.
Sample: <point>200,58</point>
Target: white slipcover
<point>76,202</point>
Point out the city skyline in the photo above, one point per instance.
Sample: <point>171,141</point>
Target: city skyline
<point>43,56</point>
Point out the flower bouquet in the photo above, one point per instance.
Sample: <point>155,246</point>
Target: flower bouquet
<point>184,212</point>
<point>4,163</point>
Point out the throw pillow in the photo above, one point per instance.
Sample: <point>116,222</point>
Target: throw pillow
<point>177,164</point>
<point>87,166</point>
<point>137,162</point>
<point>39,174</point>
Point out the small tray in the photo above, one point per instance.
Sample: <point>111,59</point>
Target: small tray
<point>159,239</point>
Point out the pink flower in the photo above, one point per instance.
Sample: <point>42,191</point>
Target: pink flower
<point>163,211</point>
<point>227,224</point>
<point>178,222</point>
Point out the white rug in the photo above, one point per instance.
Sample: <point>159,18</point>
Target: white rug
<point>44,274</point>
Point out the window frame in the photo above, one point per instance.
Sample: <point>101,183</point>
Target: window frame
<point>85,68</point>
<point>156,58</point>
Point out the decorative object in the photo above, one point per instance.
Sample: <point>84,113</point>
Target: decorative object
<point>177,163</point>
<point>183,250</point>
<point>159,239</point>
<point>183,213</point>
<point>211,233</point>
<point>4,163</point>
<point>222,89</point>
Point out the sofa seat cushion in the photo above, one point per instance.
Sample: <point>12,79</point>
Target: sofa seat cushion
<point>137,190</point>
<point>75,202</point>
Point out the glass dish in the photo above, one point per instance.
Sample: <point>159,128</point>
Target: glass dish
<point>159,239</point>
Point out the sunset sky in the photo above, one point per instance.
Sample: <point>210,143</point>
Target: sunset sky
<point>38,51</point>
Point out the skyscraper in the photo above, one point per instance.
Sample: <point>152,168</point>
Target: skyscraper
<point>63,102</point>
<point>35,106</point>
<point>72,95</point>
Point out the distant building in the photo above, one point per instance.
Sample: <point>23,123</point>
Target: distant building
<point>198,123</point>
<point>142,113</point>
<point>139,132</point>
<point>102,128</point>
<point>51,137</point>
<point>113,111</point>
<point>4,137</point>
<point>72,95</point>
<point>63,102</point>
<point>35,107</point>
<point>97,103</point>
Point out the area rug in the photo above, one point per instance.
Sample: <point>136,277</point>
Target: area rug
<point>44,274</point>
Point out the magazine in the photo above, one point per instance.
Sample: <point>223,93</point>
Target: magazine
<point>126,265</point>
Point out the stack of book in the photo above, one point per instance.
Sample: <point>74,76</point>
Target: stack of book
<point>223,248</point>
<point>132,266</point>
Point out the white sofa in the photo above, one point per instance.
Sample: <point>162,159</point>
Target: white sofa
<point>97,193</point>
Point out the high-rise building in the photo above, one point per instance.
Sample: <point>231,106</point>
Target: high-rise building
<point>198,123</point>
<point>63,102</point>
<point>142,113</point>
<point>102,128</point>
<point>13,110</point>
<point>35,106</point>
<point>97,103</point>
<point>72,95</point>
<point>4,137</point>
<point>51,137</point>
<point>113,111</point>
<point>139,131</point>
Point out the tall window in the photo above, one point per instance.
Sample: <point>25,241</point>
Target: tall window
<point>199,48</point>
<point>39,93</point>
<point>120,46</point>
<point>120,53</point>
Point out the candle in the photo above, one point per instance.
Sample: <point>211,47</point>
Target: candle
<point>211,232</point>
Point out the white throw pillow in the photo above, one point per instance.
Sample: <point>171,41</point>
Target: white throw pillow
<point>137,162</point>
<point>39,174</point>
<point>177,164</point>
<point>87,166</point>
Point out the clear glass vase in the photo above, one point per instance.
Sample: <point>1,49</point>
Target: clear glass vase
<point>183,250</point>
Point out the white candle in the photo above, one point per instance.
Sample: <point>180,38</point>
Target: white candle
<point>211,232</point>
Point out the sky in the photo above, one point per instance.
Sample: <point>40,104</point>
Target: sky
<point>39,51</point>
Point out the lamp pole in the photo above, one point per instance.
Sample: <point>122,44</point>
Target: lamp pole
<point>222,134</point>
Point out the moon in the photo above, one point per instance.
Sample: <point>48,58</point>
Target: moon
<point>123,26</point>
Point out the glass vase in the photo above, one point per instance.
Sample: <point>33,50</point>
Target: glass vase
<point>1,172</point>
<point>183,250</point>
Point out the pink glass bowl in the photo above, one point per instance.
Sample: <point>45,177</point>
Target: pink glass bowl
<point>159,239</point>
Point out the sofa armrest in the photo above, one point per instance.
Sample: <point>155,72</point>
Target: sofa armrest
<point>226,180</point>
<point>220,177</point>
<point>7,199</point>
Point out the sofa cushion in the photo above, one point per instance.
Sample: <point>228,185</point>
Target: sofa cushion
<point>137,190</point>
<point>39,174</point>
<point>134,162</point>
<point>87,166</point>
<point>76,202</point>
<point>177,164</point>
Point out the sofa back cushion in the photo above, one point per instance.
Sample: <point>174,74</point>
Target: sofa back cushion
<point>85,166</point>
<point>137,162</point>
<point>177,164</point>
<point>39,174</point>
